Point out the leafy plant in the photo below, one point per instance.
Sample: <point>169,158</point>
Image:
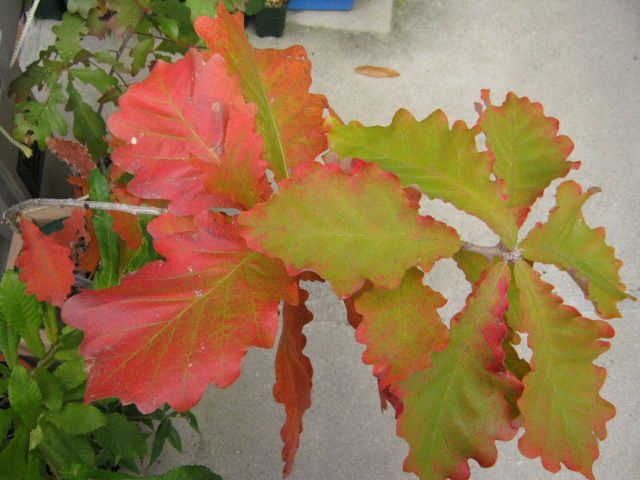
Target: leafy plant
<point>46,431</point>
<point>178,299</point>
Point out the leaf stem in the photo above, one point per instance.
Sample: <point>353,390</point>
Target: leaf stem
<point>492,252</point>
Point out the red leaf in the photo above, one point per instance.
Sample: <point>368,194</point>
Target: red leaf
<point>126,224</point>
<point>190,138</point>
<point>74,154</point>
<point>73,228</point>
<point>290,119</point>
<point>174,326</point>
<point>45,266</point>
<point>293,377</point>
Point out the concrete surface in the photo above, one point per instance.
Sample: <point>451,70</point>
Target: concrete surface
<point>580,59</point>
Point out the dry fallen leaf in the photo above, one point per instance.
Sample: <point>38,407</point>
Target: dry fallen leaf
<point>376,72</point>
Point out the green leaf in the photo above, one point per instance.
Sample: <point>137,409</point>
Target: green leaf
<point>108,274</point>
<point>354,219</point>
<point>24,395</point>
<point>21,311</point>
<point>128,13</point>
<point>77,418</point>
<point>253,6</point>
<point>563,413</point>
<point>35,75</point>
<point>9,341</point>
<point>174,437</point>
<point>51,323</point>
<point>527,150</point>
<point>6,419</point>
<point>456,409</point>
<point>472,264</point>
<point>169,26</point>
<point>159,439</point>
<point>139,55</point>
<point>71,373</point>
<point>50,387</point>
<point>96,77</point>
<point>63,450</point>
<point>81,7</point>
<point>444,162</point>
<point>201,8</point>
<point>81,472</point>
<point>109,58</point>
<point>121,437</point>
<point>68,35</point>
<point>145,252</point>
<point>568,242</point>
<point>88,127</point>
<point>37,121</point>
<point>35,437</point>
<point>13,459</point>
<point>191,420</point>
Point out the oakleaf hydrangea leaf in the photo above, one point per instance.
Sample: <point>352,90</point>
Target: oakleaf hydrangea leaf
<point>401,328</point>
<point>293,376</point>
<point>563,413</point>
<point>444,162</point>
<point>323,219</point>
<point>527,151</point>
<point>277,82</point>
<point>176,325</point>
<point>190,138</point>
<point>456,409</point>
<point>568,242</point>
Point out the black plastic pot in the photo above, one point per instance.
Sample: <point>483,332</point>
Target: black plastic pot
<point>270,21</point>
<point>53,9</point>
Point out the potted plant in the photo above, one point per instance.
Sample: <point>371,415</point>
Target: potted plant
<point>231,200</point>
<point>271,19</point>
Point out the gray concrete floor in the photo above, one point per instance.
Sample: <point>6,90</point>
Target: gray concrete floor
<point>580,60</point>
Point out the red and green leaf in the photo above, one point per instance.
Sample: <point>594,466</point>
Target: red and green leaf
<point>277,81</point>
<point>175,326</point>
<point>323,219</point>
<point>568,242</point>
<point>74,154</point>
<point>293,376</point>
<point>45,266</point>
<point>190,137</point>
<point>563,413</point>
<point>401,328</point>
<point>527,151</point>
<point>456,409</point>
<point>444,162</point>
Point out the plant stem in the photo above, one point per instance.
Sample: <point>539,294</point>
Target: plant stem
<point>10,214</point>
<point>492,252</point>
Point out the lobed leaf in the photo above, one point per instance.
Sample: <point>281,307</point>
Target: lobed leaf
<point>563,413</point>
<point>401,328</point>
<point>526,149</point>
<point>73,153</point>
<point>444,162</point>
<point>293,376</point>
<point>568,242</point>
<point>323,219</point>
<point>456,409</point>
<point>77,418</point>
<point>68,35</point>
<point>45,266</point>
<point>277,81</point>
<point>192,317</point>
<point>190,138</point>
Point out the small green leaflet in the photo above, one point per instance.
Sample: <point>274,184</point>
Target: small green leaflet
<point>68,35</point>
<point>24,395</point>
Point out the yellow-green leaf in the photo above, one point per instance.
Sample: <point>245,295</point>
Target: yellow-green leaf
<point>456,409</point>
<point>323,219</point>
<point>444,162</point>
<point>563,413</point>
<point>528,153</point>
<point>568,242</point>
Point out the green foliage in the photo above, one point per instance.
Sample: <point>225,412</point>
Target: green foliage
<point>46,429</point>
